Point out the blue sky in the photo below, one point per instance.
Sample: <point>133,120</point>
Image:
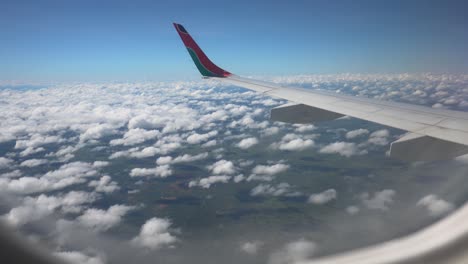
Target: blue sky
<point>134,40</point>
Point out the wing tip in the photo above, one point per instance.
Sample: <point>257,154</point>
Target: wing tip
<point>180,28</point>
<point>206,67</point>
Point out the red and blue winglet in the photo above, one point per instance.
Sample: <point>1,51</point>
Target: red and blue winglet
<point>204,65</point>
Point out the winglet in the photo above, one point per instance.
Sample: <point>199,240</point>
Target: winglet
<point>204,65</point>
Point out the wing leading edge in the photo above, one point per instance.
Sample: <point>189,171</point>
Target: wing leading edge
<point>434,134</point>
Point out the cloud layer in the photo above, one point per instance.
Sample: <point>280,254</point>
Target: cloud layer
<point>108,158</point>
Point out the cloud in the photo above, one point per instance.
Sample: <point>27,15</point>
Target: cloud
<point>237,110</point>
<point>31,210</point>
<point>144,120</point>
<point>266,102</point>
<point>281,189</point>
<point>323,197</point>
<point>294,252</point>
<point>293,142</point>
<point>163,146</point>
<point>12,174</point>
<point>98,131</point>
<point>102,220</point>
<point>208,181</point>
<point>72,202</point>
<point>304,128</point>
<point>37,140</point>
<point>247,143</point>
<point>5,138</point>
<point>168,143</point>
<point>270,169</point>
<point>30,150</point>
<point>266,172</point>
<point>379,137</point>
<point>218,115</point>
<point>5,162</point>
<point>222,167</point>
<point>66,175</point>
<point>36,208</point>
<point>239,178</point>
<point>380,201</point>
<point>352,210</point>
<point>246,122</point>
<point>342,148</point>
<point>104,184</point>
<point>435,206</point>
<point>199,138</point>
<point>65,153</point>
<point>270,131</point>
<point>139,153</point>
<point>75,257</point>
<point>33,162</point>
<point>356,133</point>
<point>100,164</point>
<point>251,247</point>
<point>180,159</point>
<point>135,136</point>
<point>190,158</point>
<point>76,169</point>
<point>245,163</point>
<point>167,117</point>
<point>154,234</point>
<point>438,106</point>
<point>164,160</point>
<point>210,143</point>
<point>160,171</point>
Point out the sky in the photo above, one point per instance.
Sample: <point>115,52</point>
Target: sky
<point>135,40</point>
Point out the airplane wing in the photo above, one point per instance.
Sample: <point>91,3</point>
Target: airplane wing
<point>433,134</point>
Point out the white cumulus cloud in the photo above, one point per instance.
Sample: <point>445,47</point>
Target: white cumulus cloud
<point>102,220</point>
<point>294,252</point>
<point>222,167</point>
<point>247,143</point>
<point>154,234</point>
<point>356,133</point>
<point>35,208</point>
<point>180,159</point>
<point>435,206</point>
<point>379,137</point>
<point>33,162</point>
<point>75,257</point>
<point>293,142</point>
<point>266,172</point>
<point>161,171</point>
<point>199,138</point>
<point>135,136</point>
<point>66,175</point>
<point>380,201</point>
<point>5,162</point>
<point>104,184</point>
<point>346,149</point>
<point>281,189</point>
<point>208,181</point>
<point>323,197</point>
<point>251,247</point>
